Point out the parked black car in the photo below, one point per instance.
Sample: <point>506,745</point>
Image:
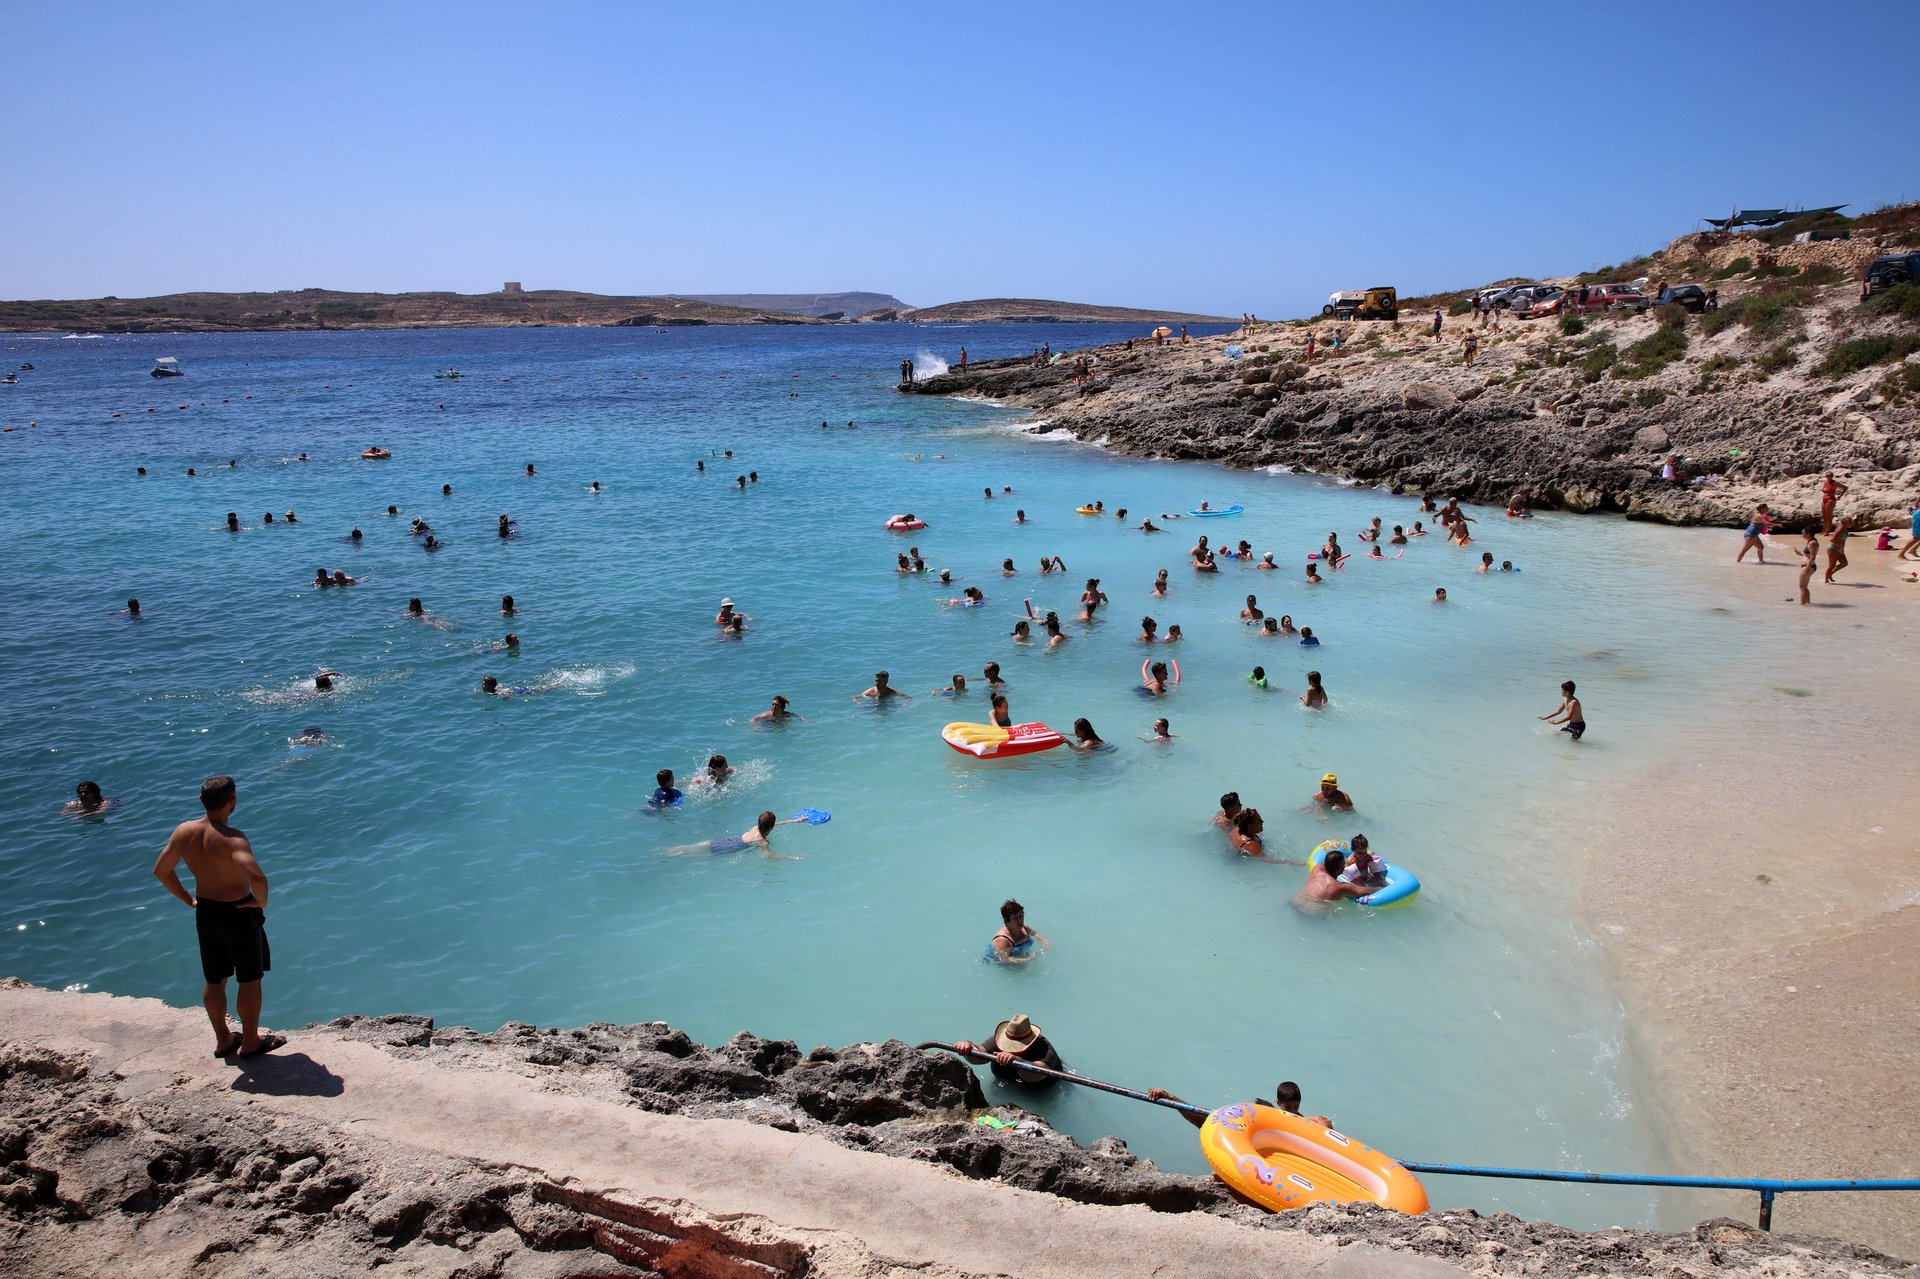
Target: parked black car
<point>1690,296</point>
<point>1894,268</point>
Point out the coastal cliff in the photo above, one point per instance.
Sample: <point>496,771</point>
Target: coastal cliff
<point>1044,311</point>
<point>634,1151</point>
<point>1792,376</point>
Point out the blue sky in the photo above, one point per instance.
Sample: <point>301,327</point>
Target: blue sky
<point>1221,158</point>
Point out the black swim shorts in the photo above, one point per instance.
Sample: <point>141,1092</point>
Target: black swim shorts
<point>233,940</point>
<point>1578,728</point>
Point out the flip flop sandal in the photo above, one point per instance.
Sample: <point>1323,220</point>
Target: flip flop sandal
<point>268,1043</point>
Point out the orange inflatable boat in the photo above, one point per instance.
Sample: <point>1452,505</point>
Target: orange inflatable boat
<point>1279,1161</point>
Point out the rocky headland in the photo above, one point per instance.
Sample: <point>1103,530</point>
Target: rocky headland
<point>634,1151</point>
<point>1792,376</point>
<point>1042,311</point>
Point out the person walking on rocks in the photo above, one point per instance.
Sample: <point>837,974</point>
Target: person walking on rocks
<point>1436,324</point>
<point>963,359</point>
<point>1470,347</point>
<point>229,914</point>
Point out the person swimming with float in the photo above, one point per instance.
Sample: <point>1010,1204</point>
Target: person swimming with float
<point>1084,738</point>
<point>1156,680</point>
<point>756,837</point>
<point>1016,943</point>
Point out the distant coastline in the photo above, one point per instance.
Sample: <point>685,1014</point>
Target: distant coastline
<point>322,309</point>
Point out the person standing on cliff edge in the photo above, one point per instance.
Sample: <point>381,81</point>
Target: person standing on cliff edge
<point>229,914</point>
<point>1436,324</point>
<point>906,374</point>
<point>963,359</point>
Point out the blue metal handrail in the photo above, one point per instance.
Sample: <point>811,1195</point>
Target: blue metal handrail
<point>1766,1186</point>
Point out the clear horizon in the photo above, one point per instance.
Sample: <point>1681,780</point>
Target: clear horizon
<point>1250,160</point>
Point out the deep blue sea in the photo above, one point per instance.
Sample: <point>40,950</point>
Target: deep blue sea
<point>481,859</point>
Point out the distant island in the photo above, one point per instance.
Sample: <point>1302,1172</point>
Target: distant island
<point>308,309</point>
<point>821,306</point>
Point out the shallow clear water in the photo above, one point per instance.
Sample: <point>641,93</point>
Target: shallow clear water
<point>479,859</point>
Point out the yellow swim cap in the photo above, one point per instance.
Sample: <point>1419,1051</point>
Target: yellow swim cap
<point>1330,780</point>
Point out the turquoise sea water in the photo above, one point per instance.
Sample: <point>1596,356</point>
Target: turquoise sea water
<point>481,860</point>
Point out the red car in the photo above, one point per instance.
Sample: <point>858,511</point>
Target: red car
<point>1599,297</point>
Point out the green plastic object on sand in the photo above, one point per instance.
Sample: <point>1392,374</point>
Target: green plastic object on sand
<point>990,1122</point>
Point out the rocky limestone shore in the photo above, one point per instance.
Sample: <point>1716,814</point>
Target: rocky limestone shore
<point>116,1157</point>
<point>1754,402</point>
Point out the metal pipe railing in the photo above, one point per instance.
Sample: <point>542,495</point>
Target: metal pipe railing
<point>1766,1187</point>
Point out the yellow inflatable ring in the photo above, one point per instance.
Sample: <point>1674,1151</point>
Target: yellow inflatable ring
<point>1279,1161</point>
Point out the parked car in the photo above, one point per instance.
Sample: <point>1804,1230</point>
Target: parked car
<point>1526,300</point>
<point>1377,303</point>
<point>1605,297</point>
<point>1500,295</point>
<point>1690,296</point>
<point>1889,270</point>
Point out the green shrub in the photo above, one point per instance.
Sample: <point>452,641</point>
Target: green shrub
<point>1624,271</point>
<point>1573,325</point>
<point>1863,353</point>
<point>1651,353</point>
<point>1671,316</point>
<point>1650,396</point>
<point>1821,274</point>
<point>1460,306</point>
<point>1768,314</point>
<point>1710,370</point>
<point>1739,266</point>
<point>1900,385</point>
<point>1598,360</point>
<point>1774,271</point>
<point>1902,300</point>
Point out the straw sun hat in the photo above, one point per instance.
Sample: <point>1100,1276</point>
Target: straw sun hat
<point>1015,1035</point>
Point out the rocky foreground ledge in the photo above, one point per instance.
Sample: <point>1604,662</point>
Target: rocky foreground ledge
<point>387,1143</point>
<point>1761,398</point>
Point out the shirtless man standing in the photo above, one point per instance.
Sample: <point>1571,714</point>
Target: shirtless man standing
<point>229,914</point>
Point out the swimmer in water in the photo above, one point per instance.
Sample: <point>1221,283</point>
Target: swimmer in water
<point>1439,595</point>
<point>355,536</point>
<point>1174,634</point>
<point>1486,562</point>
<point>1418,531</point>
<point>292,518</point>
<point>1001,714</point>
<point>323,682</point>
<point>1248,837</point>
<point>1308,639</point>
<point>393,510</point>
<point>755,837</point>
<point>495,688</point>
<point>1374,552</point>
<point>1506,566</point>
<point>1084,738</point>
<point>1020,517</point>
<point>1007,569</point>
<point>776,712</point>
<point>266,517</point>
<point>594,487</point>
<point>946,577</point>
<point>956,689</point>
<point>1372,532</point>
<point>340,578</point>
<point>1270,628</point>
<point>416,609</point>
<point>1055,636</point>
<point>881,690</point>
<point>1286,624</point>
<point>1149,631</point>
<point>233,521</point>
<point>86,800</point>
<point>1259,677</point>
<point>1022,632</point>
<point>321,580</point>
<point>1156,681</point>
<point>506,606</point>
<point>725,616</point>
<point>900,563</point>
<point>716,774</point>
<point>530,470</point>
<point>1266,562</point>
<point>446,490</point>
<point>971,597</point>
<point>133,608</point>
<point>506,526</point>
<point>1313,573</point>
<point>1229,810</point>
<point>991,673</point>
<point>1315,698</point>
<point>1325,887</point>
<point>1399,537</point>
<point>1160,583</point>
<point>1162,731</point>
<point>1148,526</point>
<point>1016,943</point>
<point>432,543</point>
<point>1363,869</point>
<point>308,738</point>
<point>1251,613</point>
<point>1330,798</point>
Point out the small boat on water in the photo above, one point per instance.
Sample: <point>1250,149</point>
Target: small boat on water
<point>449,375</point>
<point>10,379</point>
<point>376,454</point>
<point>167,366</point>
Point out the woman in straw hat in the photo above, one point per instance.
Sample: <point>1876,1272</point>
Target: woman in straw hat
<point>1014,1041</point>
